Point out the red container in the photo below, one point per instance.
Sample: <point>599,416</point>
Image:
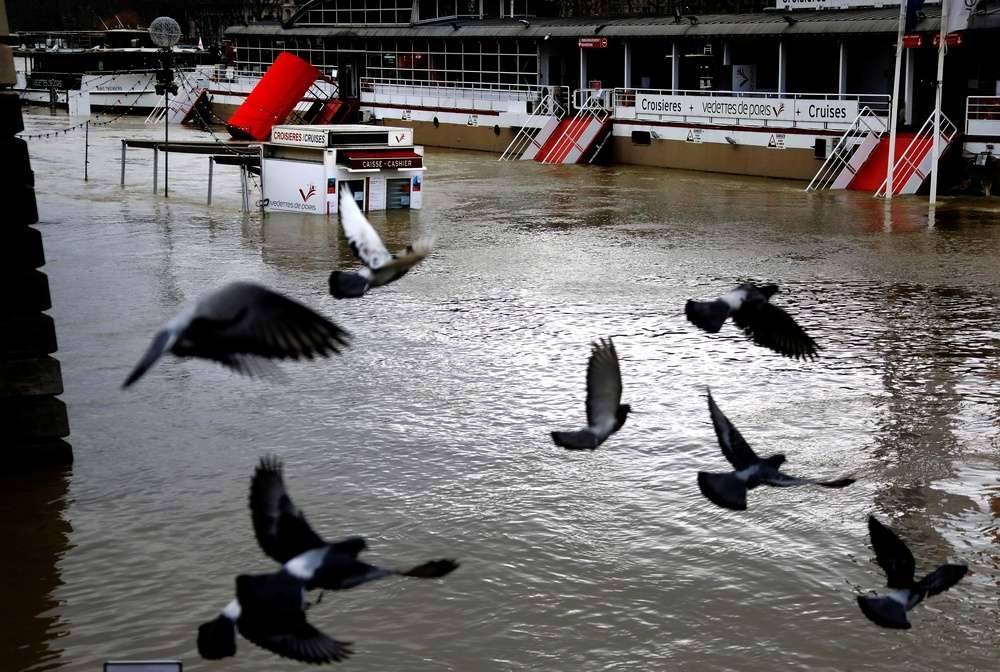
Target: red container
<point>272,100</point>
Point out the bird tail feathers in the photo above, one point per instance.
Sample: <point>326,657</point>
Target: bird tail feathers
<point>433,569</point>
<point>707,315</point>
<point>884,611</point>
<point>723,490</point>
<point>582,440</point>
<point>217,639</point>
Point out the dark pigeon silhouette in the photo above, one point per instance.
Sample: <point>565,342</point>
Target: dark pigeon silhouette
<point>244,326</point>
<point>605,412</point>
<point>752,311</point>
<point>380,266</point>
<point>270,611</point>
<point>730,490</point>
<point>894,557</point>
<point>284,535</point>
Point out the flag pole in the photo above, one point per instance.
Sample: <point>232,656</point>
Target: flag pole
<point>894,113</point>
<point>936,151</point>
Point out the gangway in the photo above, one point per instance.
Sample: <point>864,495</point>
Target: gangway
<point>916,162</point>
<point>534,135</point>
<point>851,152</point>
<point>580,138</point>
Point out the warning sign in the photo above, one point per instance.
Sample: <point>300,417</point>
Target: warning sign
<point>473,120</point>
<point>776,141</point>
<point>407,115</point>
<point>694,135</point>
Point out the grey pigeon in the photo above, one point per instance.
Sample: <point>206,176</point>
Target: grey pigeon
<point>270,611</point>
<point>244,326</point>
<point>605,412</point>
<point>894,557</point>
<point>380,266</point>
<point>284,535</point>
<point>730,490</point>
<point>752,311</point>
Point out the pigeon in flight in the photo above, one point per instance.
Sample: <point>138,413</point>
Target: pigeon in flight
<point>284,535</point>
<point>244,326</point>
<point>269,610</point>
<point>605,412</point>
<point>730,490</point>
<point>380,266</point>
<point>752,311</point>
<point>894,557</point>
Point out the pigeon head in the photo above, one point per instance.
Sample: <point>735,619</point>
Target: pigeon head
<point>217,639</point>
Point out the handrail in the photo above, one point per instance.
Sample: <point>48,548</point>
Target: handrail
<point>911,158</point>
<point>982,115</point>
<point>593,108</point>
<point>845,147</point>
<point>546,107</point>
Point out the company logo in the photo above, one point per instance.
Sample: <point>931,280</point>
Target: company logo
<point>778,109</point>
<point>400,137</point>
<point>306,195</point>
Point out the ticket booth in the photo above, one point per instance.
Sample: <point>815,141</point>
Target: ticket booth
<point>302,168</point>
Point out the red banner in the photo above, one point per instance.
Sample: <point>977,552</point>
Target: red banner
<point>593,42</point>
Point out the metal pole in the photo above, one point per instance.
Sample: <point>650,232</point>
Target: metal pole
<point>211,162</point>
<point>86,148</point>
<point>936,150</point>
<point>156,168</point>
<point>123,162</point>
<point>894,113</point>
<point>166,139</point>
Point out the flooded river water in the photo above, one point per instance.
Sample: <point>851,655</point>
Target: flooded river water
<point>430,435</point>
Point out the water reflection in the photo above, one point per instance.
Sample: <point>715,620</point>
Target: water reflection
<point>36,539</point>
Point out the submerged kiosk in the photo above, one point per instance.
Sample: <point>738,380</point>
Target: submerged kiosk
<point>302,168</point>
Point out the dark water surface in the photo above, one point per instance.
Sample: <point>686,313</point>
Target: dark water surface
<point>430,436</point>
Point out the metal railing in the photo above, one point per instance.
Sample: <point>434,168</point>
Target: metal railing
<point>592,110</point>
<point>602,97</point>
<point>624,105</point>
<point>922,144</point>
<point>866,125</point>
<point>457,95</point>
<point>982,115</point>
<point>527,136</point>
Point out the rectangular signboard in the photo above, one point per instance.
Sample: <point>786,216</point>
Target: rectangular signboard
<point>593,42</point>
<point>746,108</point>
<point>299,137</point>
<point>294,186</point>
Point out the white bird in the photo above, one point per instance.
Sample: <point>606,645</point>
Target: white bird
<point>380,266</point>
<point>243,326</point>
<point>605,412</point>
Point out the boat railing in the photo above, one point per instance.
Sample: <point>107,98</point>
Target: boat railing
<point>922,144</point>
<point>760,109</point>
<point>527,137</point>
<point>868,127</point>
<point>591,98</point>
<point>456,95</point>
<point>982,115</point>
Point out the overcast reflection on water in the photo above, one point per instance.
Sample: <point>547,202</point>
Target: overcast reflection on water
<point>430,436</point>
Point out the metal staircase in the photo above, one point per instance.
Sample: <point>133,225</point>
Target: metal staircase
<point>588,128</point>
<point>916,162</point>
<point>533,136</point>
<point>850,152</point>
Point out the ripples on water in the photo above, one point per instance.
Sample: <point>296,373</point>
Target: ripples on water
<point>431,435</point>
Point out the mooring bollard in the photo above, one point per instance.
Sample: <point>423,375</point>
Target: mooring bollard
<point>33,421</point>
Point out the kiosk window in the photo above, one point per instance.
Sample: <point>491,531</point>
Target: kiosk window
<point>397,194</point>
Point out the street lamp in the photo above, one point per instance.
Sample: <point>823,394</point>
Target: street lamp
<point>165,33</point>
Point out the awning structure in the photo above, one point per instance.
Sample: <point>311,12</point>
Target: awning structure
<point>372,160</point>
<point>805,22</point>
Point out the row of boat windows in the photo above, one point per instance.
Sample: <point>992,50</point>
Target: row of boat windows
<point>381,12</point>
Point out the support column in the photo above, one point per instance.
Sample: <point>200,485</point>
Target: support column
<point>32,416</point>
<point>727,54</point>
<point>842,69</point>
<point>675,67</point>
<point>583,68</point>
<point>628,65</point>
<point>908,87</point>
<point>782,65</point>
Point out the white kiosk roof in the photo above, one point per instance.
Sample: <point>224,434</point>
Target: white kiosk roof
<point>341,135</point>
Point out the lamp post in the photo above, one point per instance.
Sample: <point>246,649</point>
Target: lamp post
<point>165,33</point>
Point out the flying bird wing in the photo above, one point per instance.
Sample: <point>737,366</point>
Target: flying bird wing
<point>300,641</point>
<point>770,326</point>
<point>781,480</point>
<point>734,447</point>
<point>401,264</point>
<point>604,385</point>
<point>892,555</point>
<point>280,527</point>
<point>243,318</point>
<point>941,579</point>
<point>360,234</point>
